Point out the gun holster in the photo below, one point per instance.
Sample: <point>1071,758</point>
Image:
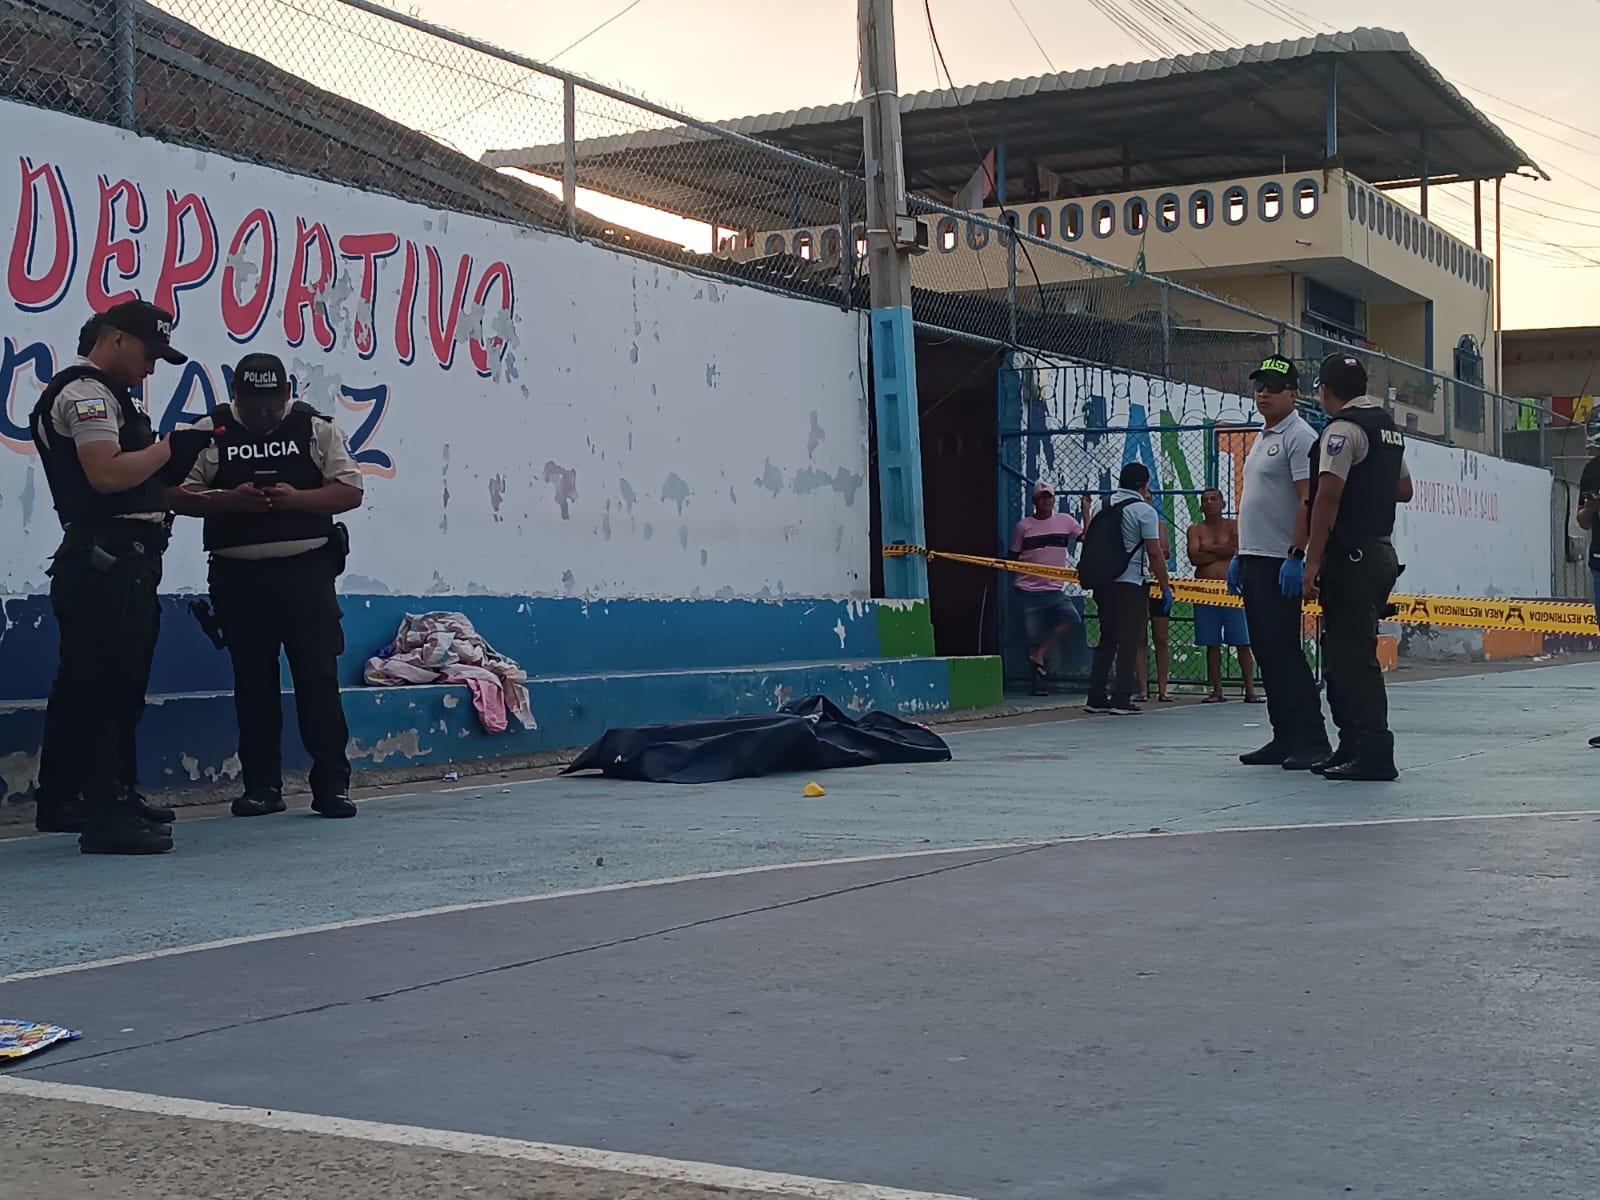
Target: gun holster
<point>207,620</point>
<point>339,547</point>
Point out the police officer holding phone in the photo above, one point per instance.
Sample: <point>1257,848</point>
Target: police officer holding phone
<point>1358,476</point>
<point>268,490</point>
<point>108,477</point>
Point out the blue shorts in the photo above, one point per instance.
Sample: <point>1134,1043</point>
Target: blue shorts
<point>1219,625</point>
<point>1044,612</point>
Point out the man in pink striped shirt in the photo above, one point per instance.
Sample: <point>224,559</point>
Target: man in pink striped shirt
<point>1046,538</point>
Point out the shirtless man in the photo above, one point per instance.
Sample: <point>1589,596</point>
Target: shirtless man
<point>1212,545</point>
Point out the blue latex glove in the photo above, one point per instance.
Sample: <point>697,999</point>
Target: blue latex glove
<point>1166,601</point>
<point>1236,577</point>
<point>1291,577</point>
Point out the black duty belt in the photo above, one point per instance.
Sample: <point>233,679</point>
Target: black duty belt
<point>120,536</point>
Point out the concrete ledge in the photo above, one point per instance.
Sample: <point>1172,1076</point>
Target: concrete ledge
<point>187,742</point>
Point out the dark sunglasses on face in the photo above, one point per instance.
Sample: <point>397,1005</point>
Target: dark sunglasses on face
<point>1272,389</point>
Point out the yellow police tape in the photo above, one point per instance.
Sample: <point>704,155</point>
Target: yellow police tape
<point>1463,612</point>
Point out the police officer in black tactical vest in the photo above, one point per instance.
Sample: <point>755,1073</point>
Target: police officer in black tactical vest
<point>1589,516</point>
<point>109,477</point>
<point>1358,476</point>
<point>268,489</point>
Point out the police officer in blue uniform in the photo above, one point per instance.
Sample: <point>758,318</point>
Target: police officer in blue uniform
<point>268,490</point>
<point>1358,476</point>
<point>109,477</point>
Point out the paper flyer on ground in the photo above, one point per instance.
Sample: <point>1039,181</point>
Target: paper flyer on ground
<point>19,1039</point>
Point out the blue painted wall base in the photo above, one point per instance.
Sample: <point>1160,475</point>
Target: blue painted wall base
<point>189,741</point>
<point>592,666</point>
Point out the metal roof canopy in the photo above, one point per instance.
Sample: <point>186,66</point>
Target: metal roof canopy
<point>1227,114</point>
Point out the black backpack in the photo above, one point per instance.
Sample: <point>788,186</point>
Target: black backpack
<point>1104,555</point>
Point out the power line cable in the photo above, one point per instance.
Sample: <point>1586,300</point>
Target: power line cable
<point>613,18</point>
<point>1460,83</point>
<point>1045,54</point>
<point>1007,214</point>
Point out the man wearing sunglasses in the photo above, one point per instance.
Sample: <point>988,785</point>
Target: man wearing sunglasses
<point>1268,570</point>
<point>108,476</point>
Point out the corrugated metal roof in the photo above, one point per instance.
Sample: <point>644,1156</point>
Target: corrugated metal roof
<point>1189,119</point>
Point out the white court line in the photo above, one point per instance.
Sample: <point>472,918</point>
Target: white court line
<point>737,872</point>
<point>643,1165</point>
<point>475,905</point>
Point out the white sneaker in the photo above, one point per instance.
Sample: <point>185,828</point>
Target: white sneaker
<point>1098,709</point>
<point>1125,710</point>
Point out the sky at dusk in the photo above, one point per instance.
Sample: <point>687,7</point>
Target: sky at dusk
<point>727,58</point>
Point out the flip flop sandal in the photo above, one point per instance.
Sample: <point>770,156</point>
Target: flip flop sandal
<point>1255,699</point>
<point>1215,698</point>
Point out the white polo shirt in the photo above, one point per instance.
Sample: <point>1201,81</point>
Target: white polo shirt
<point>1280,458</point>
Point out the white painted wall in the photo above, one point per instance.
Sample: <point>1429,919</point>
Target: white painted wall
<point>1478,526</point>
<point>624,430</point>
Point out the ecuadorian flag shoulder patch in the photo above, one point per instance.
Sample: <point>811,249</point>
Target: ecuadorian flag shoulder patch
<point>89,410</point>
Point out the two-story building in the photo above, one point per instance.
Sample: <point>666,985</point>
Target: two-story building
<point>1292,180</point>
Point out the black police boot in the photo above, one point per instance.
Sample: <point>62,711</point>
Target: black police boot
<point>1307,757</point>
<point>152,813</point>
<point>1270,755</point>
<point>259,802</point>
<point>1373,762</point>
<point>1334,758</point>
<point>118,830</point>
<point>334,804</point>
<point>56,814</point>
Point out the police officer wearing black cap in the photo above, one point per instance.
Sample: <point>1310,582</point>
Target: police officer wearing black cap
<point>1358,476</point>
<point>268,489</point>
<point>108,477</point>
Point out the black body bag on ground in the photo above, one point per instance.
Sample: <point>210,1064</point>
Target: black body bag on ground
<point>808,735</point>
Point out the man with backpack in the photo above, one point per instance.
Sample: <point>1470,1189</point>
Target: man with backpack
<point>1120,551</point>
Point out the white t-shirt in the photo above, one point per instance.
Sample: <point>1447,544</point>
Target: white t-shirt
<point>1280,458</point>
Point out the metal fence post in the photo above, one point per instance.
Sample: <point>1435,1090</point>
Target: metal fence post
<point>1166,331</point>
<point>847,248</point>
<point>1011,278</point>
<point>1445,393</point>
<point>569,145</point>
<point>125,50</point>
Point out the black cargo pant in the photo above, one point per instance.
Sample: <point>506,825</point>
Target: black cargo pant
<point>284,604</point>
<point>1355,586</point>
<point>1124,610</point>
<point>1294,706</point>
<point>103,591</point>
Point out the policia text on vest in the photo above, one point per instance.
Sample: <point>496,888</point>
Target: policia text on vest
<point>268,490</point>
<point>1358,476</point>
<point>109,480</point>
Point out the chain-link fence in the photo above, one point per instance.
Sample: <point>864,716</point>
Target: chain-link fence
<point>355,92</point>
<point>1075,425</point>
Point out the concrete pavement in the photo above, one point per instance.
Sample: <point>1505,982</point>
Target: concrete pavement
<point>1388,1006</point>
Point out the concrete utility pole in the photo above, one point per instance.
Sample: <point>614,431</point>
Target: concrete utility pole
<point>894,360</point>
